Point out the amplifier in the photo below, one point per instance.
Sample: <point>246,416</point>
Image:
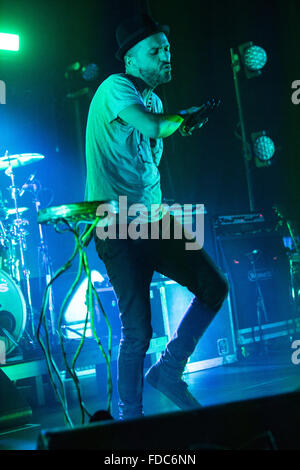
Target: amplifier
<point>252,252</point>
<point>75,319</point>
<point>295,280</point>
<point>217,346</point>
<point>239,224</point>
<point>169,301</point>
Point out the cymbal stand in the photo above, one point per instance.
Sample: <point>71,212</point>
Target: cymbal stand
<point>20,237</point>
<point>47,270</point>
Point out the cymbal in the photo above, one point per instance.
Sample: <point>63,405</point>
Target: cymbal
<point>4,212</point>
<point>20,159</point>
<point>13,211</point>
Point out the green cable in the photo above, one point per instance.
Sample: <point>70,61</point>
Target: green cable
<point>71,371</point>
<point>107,359</point>
<point>47,350</point>
<point>81,244</point>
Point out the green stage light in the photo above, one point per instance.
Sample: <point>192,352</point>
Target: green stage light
<point>9,42</point>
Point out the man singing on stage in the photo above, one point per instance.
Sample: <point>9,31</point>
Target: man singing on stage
<point>124,144</point>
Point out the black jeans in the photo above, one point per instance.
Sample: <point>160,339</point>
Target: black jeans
<point>130,266</point>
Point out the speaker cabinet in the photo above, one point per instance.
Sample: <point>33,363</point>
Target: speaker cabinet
<point>259,273</point>
<point>217,346</point>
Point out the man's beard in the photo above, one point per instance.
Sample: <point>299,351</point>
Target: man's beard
<point>153,78</point>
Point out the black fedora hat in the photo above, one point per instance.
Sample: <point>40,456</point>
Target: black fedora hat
<point>134,30</point>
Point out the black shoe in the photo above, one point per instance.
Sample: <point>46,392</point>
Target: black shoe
<point>174,389</point>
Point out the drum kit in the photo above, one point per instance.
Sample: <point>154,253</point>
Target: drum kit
<point>16,310</point>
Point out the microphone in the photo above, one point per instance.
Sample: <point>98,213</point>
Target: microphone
<point>200,117</point>
<point>26,185</point>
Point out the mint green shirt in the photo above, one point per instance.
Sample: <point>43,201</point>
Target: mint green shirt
<point>120,160</point>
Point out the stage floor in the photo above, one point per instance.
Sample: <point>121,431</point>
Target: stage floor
<point>250,378</point>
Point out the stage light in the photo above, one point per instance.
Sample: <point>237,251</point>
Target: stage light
<point>264,148</point>
<point>85,70</point>
<point>254,59</point>
<point>76,311</point>
<point>90,72</point>
<point>9,42</point>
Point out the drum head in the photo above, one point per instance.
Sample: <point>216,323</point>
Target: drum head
<point>12,312</point>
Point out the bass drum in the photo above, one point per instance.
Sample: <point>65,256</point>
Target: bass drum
<point>12,312</point>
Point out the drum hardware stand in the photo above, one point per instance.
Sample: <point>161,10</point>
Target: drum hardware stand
<point>260,303</point>
<point>3,240</point>
<point>18,345</point>
<point>17,231</point>
<point>9,336</point>
<point>43,255</point>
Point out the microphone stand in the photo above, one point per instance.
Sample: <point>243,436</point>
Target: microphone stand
<point>260,304</point>
<point>43,255</point>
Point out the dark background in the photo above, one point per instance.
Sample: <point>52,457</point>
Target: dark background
<point>205,168</point>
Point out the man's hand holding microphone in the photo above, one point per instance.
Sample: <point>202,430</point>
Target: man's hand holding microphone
<point>195,117</point>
